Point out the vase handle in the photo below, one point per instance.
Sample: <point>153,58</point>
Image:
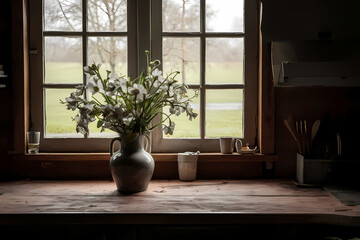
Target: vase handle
<point>147,146</point>
<point>112,144</point>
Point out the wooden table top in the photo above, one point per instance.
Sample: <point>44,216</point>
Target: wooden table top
<point>171,202</point>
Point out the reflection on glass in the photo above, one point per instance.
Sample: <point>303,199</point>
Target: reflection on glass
<point>225,16</point>
<point>224,113</point>
<point>181,15</point>
<point>107,16</point>
<point>184,128</point>
<point>62,15</point>
<point>224,60</point>
<point>110,52</point>
<point>58,120</point>
<point>63,60</point>
<point>182,54</point>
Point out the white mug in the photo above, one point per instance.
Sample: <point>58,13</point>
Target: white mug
<point>226,145</point>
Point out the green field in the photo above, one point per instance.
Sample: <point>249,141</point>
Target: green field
<point>219,122</point>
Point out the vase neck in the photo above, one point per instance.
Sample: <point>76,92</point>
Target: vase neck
<point>131,143</point>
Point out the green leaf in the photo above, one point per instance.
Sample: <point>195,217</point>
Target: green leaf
<point>99,123</point>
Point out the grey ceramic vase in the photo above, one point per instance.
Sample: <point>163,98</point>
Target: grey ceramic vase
<point>131,166</point>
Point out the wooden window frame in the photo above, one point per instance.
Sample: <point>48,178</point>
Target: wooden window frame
<point>250,36</point>
<point>37,114</point>
<point>21,87</point>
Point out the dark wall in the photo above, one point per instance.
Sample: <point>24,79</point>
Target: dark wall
<point>338,108</point>
<point>310,20</point>
<point>314,31</point>
<point>5,93</point>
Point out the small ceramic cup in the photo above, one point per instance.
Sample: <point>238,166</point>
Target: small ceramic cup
<point>226,145</point>
<point>187,165</point>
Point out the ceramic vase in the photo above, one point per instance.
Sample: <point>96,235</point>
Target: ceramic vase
<point>131,166</point>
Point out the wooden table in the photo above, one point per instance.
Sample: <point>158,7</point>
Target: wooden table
<point>173,203</point>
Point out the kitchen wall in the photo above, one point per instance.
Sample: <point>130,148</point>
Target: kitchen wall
<point>5,92</point>
<point>314,31</point>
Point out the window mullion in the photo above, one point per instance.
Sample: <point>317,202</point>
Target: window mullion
<point>202,69</point>
<point>84,44</point>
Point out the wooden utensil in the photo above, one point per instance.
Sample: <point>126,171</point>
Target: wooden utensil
<point>287,124</point>
<point>314,130</point>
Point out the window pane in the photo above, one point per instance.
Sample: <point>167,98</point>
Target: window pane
<point>224,113</point>
<point>224,60</point>
<point>62,15</point>
<point>225,16</point>
<point>95,132</point>
<point>107,16</point>
<point>181,15</point>
<point>63,60</point>
<point>182,54</point>
<point>58,120</point>
<point>110,52</point>
<point>184,128</point>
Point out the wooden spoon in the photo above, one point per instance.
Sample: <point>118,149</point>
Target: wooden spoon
<point>314,130</point>
<point>287,124</point>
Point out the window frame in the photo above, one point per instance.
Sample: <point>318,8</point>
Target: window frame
<point>38,85</point>
<point>251,44</point>
<point>138,18</point>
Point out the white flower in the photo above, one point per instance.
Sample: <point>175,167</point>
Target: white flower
<point>161,78</point>
<point>169,129</point>
<point>172,110</point>
<point>113,76</point>
<point>95,85</point>
<point>129,105</point>
<point>128,120</point>
<point>112,87</point>
<point>163,87</point>
<point>156,73</point>
<point>171,91</point>
<point>156,83</point>
<point>107,107</point>
<point>89,106</point>
<point>123,82</point>
<point>139,91</point>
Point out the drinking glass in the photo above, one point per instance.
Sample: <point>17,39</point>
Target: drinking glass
<point>33,141</point>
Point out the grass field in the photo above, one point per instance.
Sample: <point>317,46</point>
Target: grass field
<point>219,122</point>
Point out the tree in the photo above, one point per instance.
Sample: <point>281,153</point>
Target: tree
<point>103,16</point>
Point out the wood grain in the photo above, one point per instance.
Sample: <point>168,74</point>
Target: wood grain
<point>20,70</point>
<point>266,100</point>
<point>173,202</point>
<point>96,166</point>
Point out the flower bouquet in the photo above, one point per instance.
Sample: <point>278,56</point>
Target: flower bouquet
<point>126,105</point>
<point>130,107</point>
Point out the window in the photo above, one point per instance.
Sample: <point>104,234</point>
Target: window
<point>75,33</point>
<point>206,40</point>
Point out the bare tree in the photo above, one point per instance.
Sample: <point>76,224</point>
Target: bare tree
<point>103,16</point>
<point>110,16</point>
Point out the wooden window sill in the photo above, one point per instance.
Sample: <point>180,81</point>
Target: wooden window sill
<point>158,157</point>
<point>96,165</point>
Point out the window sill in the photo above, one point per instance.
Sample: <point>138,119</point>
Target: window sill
<point>158,157</point>
<point>96,165</point>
